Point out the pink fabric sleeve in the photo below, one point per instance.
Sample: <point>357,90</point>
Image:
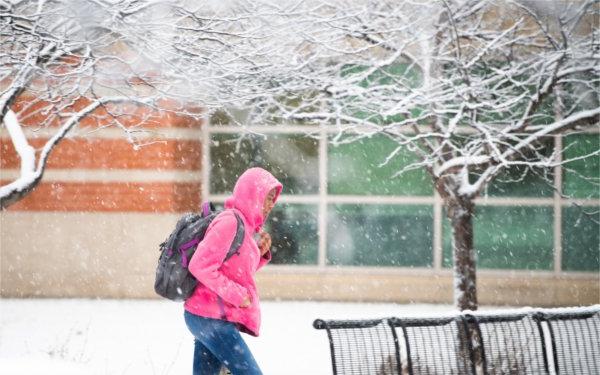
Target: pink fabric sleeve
<point>207,260</point>
<point>264,260</point>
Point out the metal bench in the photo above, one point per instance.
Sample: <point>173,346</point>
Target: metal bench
<point>565,341</point>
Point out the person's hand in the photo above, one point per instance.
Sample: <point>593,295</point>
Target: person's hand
<point>264,243</point>
<point>247,302</point>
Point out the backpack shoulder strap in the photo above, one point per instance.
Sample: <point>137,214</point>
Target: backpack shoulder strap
<point>238,239</point>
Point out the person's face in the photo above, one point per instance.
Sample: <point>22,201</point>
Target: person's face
<point>269,203</point>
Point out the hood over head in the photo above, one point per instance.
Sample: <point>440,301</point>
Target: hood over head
<point>250,192</point>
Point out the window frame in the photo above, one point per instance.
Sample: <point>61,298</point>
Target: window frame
<point>323,199</point>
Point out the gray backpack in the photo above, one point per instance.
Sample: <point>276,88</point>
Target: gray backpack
<point>173,280</point>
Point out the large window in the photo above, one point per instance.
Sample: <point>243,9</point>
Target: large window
<point>342,207</point>
<point>380,235</point>
<point>291,158</point>
<point>581,176</point>
<point>354,169</point>
<point>294,231</point>
<point>580,239</point>
<point>509,237</point>
<point>523,181</point>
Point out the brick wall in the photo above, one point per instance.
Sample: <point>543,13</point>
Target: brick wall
<point>92,227</point>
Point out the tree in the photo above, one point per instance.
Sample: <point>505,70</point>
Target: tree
<point>474,88</point>
<point>64,62</point>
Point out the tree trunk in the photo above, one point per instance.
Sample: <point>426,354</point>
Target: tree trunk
<point>460,212</point>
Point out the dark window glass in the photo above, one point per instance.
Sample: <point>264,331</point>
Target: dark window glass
<point>221,118</point>
<point>354,169</point>
<point>523,181</point>
<point>380,235</point>
<point>581,178</point>
<point>293,229</point>
<point>581,238</point>
<point>384,82</point>
<point>509,238</point>
<point>292,159</point>
<point>580,93</point>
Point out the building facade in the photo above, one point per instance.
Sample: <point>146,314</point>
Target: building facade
<point>344,229</point>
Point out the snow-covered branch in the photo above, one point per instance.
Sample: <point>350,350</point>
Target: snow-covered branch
<point>59,56</point>
<point>471,83</point>
<point>31,172</point>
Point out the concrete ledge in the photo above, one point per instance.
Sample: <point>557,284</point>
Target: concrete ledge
<point>114,255</point>
<point>428,286</point>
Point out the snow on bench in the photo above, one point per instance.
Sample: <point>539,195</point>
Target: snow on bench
<point>526,341</point>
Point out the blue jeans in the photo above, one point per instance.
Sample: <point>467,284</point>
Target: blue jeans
<point>217,343</point>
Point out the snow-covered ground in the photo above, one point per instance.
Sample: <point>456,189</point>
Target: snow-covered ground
<point>66,336</point>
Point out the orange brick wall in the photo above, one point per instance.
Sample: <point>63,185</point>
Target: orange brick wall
<point>86,153</point>
<point>111,197</point>
<point>180,154</point>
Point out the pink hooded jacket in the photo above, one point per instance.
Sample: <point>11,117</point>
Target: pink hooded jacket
<point>223,287</point>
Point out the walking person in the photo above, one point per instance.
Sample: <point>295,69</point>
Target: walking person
<point>225,302</point>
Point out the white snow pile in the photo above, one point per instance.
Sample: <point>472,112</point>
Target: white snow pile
<point>82,336</point>
<point>66,336</point>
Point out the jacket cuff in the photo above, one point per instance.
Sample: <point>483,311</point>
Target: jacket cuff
<point>266,258</point>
